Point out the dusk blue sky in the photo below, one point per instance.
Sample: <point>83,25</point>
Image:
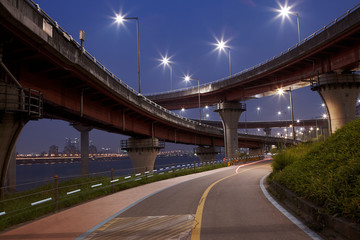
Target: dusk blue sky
<point>184,30</point>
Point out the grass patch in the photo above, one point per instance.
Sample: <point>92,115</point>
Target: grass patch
<point>18,208</point>
<point>326,173</point>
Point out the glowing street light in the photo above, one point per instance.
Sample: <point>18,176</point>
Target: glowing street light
<point>166,62</point>
<point>258,111</point>
<point>221,45</point>
<point>187,79</point>
<point>120,20</point>
<point>285,12</point>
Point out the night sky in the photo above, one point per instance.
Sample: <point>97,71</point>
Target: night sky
<point>186,31</point>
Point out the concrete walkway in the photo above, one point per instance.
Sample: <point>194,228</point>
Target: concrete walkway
<point>71,223</point>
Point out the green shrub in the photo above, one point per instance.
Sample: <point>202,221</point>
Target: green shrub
<point>326,173</point>
<point>290,155</point>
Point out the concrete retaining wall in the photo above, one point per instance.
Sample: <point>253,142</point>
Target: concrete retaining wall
<point>314,216</point>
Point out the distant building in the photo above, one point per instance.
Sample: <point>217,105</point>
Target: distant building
<point>53,150</point>
<point>92,149</point>
<point>105,150</point>
<point>72,146</point>
<point>357,113</point>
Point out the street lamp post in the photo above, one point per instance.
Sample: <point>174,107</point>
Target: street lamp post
<point>285,11</point>
<point>188,78</point>
<point>221,45</point>
<point>280,92</point>
<point>229,60</point>
<point>120,19</point>
<point>171,77</point>
<point>292,116</point>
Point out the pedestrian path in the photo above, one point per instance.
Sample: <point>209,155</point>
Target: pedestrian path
<point>75,221</point>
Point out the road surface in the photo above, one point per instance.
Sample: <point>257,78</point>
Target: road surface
<point>227,204</point>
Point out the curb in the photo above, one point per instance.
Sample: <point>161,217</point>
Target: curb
<point>315,217</point>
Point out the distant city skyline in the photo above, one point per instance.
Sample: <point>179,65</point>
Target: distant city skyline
<point>185,31</point>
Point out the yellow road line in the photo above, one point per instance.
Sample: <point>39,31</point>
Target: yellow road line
<point>195,235</point>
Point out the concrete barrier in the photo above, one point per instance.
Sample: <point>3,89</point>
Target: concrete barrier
<point>314,216</point>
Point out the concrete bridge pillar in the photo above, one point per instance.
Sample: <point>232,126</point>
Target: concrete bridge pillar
<point>142,152</point>
<point>84,140</point>
<point>206,154</point>
<point>11,125</point>
<point>339,93</point>
<point>11,173</point>
<point>229,113</point>
<point>17,107</point>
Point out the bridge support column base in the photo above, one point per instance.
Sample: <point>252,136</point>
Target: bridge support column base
<point>17,107</point>
<point>84,140</point>
<point>206,154</point>
<point>142,152</point>
<point>11,173</point>
<point>339,93</point>
<point>229,113</point>
<point>11,125</point>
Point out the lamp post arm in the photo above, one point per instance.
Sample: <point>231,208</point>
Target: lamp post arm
<point>298,23</point>
<point>229,61</point>
<point>138,50</point>
<point>138,47</point>
<point>199,100</point>
<point>292,117</point>
<point>136,18</point>
<point>171,77</point>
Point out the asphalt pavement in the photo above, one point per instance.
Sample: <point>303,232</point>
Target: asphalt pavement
<point>226,203</point>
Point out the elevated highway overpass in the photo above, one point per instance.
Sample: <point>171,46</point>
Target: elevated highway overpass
<point>327,59</point>
<point>45,73</point>
<point>333,49</point>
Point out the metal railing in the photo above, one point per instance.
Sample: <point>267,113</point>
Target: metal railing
<point>54,195</point>
<point>25,100</point>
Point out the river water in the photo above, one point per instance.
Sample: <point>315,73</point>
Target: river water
<point>29,176</point>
